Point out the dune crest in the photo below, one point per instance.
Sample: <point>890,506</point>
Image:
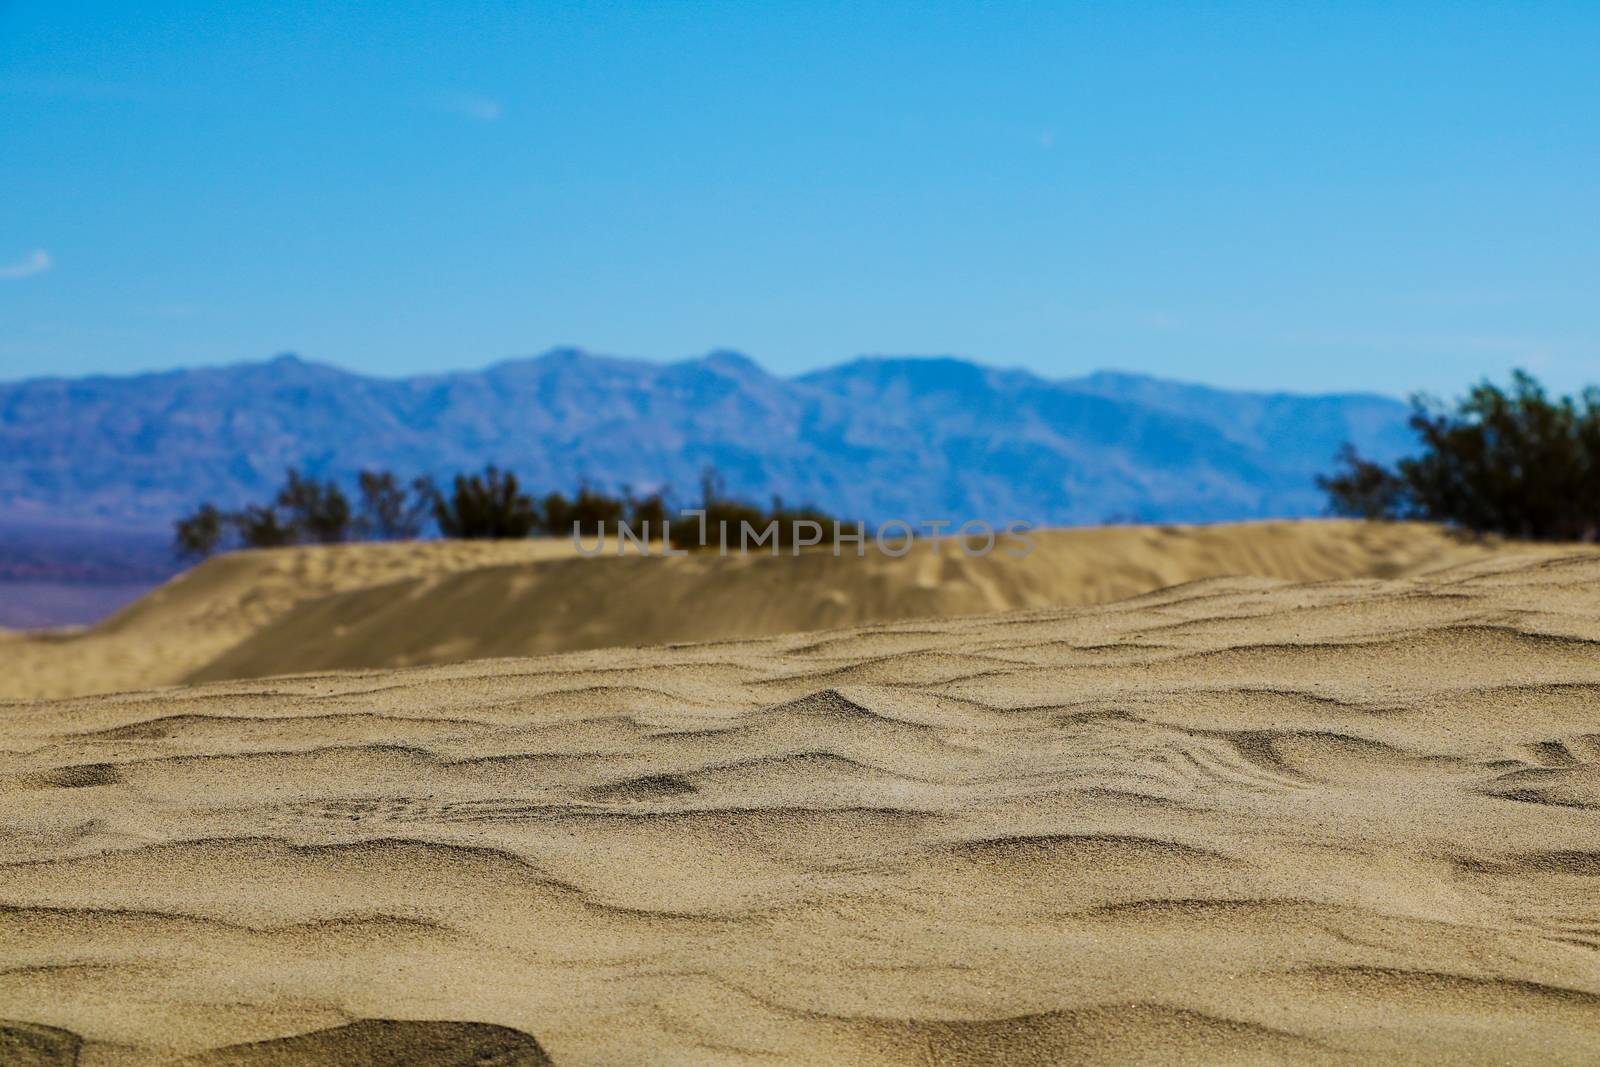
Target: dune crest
<point>354,607</point>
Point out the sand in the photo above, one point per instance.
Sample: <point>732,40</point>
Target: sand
<point>1236,820</point>
<point>350,607</point>
<point>168,634</point>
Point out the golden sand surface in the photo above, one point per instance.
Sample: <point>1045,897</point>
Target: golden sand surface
<point>346,607</point>
<point>1237,820</point>
<point>164,636</point>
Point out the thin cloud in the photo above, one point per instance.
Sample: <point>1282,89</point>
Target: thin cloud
<point>468,105</point>
<point>37,263</point>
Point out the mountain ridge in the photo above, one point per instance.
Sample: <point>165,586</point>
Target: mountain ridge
<point>875,437</point>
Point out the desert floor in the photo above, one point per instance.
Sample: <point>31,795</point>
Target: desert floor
<point>1340,807</point>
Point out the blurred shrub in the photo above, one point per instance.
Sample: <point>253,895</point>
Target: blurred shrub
<point>1508,461</point>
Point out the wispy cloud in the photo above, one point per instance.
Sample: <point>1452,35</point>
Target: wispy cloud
<point>467,105</point>
<point>37,263</point>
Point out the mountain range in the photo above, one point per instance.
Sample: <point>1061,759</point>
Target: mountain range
<point>875,438</point>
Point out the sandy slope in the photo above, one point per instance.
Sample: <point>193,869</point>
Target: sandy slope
<point>254,614</point>
<point>163,637</point>
<point>1238,821</point>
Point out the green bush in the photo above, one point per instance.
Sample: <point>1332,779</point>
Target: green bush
<point>485,505</point>
<point>317,511</point>
<point>198,535</point>
<point>646,515</point>
<point>489,504</point>
<point>261,527</point>
<point>1362,489</point>
<point>694,532</point>
<point>1507,461</point>
<point>388,512</point>
<point>588,511</point>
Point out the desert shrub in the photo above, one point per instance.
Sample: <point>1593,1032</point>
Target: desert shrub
<point>261,527</point>
<point>316,511</point>
<point>703,531</point>
<point>484,505</point>
<point>492,504</point>
<point>1508,461</point>
<point>199,534</point>
<point>697,531</point>
<point>388,510</point>
<point>692,532</point>
<point>588,510</point>
<point>591,508</point>
<point>646,514</point>
<point>790,520</point>
<point>555,514</point>
<point>1362,489</point>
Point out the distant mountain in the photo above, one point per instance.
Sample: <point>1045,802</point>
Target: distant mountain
<point>874,438</point>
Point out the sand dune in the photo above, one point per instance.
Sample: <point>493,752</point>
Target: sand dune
<point>261,613</point>
<point>1237,820</point>
<point>164,636</point>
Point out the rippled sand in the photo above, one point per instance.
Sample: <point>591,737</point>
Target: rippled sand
<point>1235,821</point>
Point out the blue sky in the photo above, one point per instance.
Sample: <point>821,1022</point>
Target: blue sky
<point>1302,196</point>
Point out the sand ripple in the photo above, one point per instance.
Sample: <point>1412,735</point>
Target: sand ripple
<point>1233,822</point>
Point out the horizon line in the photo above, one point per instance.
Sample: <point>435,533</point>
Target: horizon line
<point>570,350</point>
